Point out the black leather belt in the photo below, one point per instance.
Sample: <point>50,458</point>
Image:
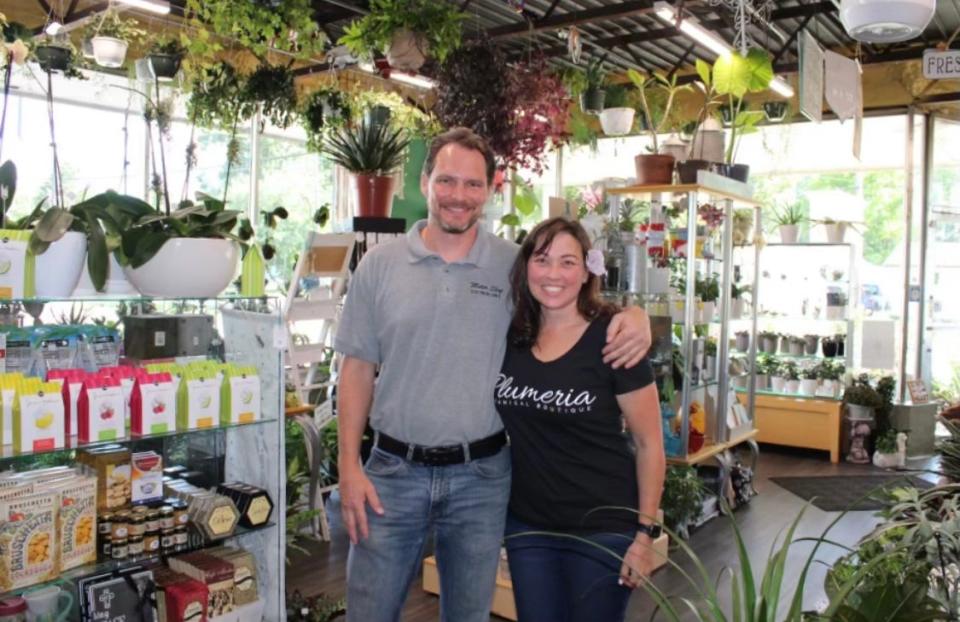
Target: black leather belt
<point>445,455</point>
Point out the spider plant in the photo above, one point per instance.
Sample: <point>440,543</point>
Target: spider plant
<point>367,149</point>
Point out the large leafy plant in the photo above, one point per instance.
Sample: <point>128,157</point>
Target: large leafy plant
<point>657,118</point>
<point>369,149</point>
<point>208,218</point>
<point>257,25</point>
<point>732,77</point>
<point>438,22</point>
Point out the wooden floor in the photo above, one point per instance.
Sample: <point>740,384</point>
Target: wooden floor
<point>322,569</point>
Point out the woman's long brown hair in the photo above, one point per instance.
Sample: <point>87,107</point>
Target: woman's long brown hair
<point>525,326</point>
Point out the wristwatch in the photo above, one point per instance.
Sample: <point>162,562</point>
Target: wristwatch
<point>653,531</point>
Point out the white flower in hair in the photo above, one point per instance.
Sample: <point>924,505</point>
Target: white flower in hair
<point>595,262</point>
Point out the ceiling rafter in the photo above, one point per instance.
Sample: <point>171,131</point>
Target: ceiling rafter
<point>573,18</point>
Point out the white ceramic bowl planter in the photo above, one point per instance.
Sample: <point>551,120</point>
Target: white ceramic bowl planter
<point>617,121</point>
<point>116,285</point>
<point>188,268</point>
<point>108,51</point>
<point>59,268</point>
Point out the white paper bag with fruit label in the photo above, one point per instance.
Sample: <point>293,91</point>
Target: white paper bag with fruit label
<point>198,405</point>
<point>100,410</point>
<point>17,265</point>
<point>38,417</point>
<point>153,405</point>
<point>240,398</point>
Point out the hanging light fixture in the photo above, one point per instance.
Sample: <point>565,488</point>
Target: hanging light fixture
<point>886,21</point>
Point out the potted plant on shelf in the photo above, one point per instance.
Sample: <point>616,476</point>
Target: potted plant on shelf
<point>785,343</point>
<point>616,118</point>
<point>830,372</point>
<point>658,275</point>
<point>737,300</point>
<point>742,227</point>
<point>111,35</point>
<point>190,253</point>
<point>165,55</point>
<point>708,290</point>
<point>768,341</point>
<point>407,31</point>
<point>775,110</point>
<point>654,167</point>
<point>766,366</point>
<point>835,230</point>
<point>791,372</point>
<point>709,358</point>
<point>777,374</point>
<point>682,499</point>
<point>734,76</point>
<point>372,155</point>
<point>797,345</point>
<point>808,380</point>
<point>788,221</point>
<point>836,303</point>
<point>811,343</point>
<point>828,346</point>
<point>592,93</point>
<point>862,400</point>
<point>742,340</point>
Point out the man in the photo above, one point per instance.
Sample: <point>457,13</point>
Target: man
<point>432,311</point>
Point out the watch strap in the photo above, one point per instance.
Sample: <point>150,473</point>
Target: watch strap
<point>653,530</point>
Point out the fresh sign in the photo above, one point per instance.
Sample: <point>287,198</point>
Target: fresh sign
<point>941,65</point>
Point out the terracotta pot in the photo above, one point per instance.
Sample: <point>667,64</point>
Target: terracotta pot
<point>374,195</point>
<point>654,169</point>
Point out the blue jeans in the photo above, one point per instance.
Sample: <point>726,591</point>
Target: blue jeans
<point>559,579</point>
<point>466,505</point>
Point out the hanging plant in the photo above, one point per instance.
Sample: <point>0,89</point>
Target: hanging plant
<point>539,102</point>
<point>272,88</point>
<point>324,109</point>
<point>406,31</point>
<point>111,35</point>
<point>402,114</point>
<point>258,25</point>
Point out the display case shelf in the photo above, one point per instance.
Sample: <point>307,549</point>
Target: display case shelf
<point>7,452</point>
<point>106,566</point>
<point>799,396</point>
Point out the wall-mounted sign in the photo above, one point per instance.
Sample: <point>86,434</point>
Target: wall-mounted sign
<point>811,77</point>
<point>939,65</point>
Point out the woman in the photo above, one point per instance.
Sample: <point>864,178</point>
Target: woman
<point>574,472</point>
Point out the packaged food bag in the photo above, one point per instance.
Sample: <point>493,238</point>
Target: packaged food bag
<point>17,265</point>
<point>102,345</point>
<point>20,353</point>
<point>28,540</point>
<point>240,395</point>
<point>77,521</point>
<point>8,393</point>
<point>153,405</point>
<point>146,477</point>
<point>38,417</point>
<point>57,346</point>
<point>198,401</point>
<point>175,370</point>
<point>100,410</point>
<point>126,375</point>
<point>71,381</point>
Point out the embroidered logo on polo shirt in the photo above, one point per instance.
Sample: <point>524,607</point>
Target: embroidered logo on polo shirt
<point>491,291</point>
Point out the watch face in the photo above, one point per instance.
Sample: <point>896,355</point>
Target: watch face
<point>653,531</point>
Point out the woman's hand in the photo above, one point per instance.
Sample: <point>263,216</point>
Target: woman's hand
<point>628,338</point>
<point>638,562</point>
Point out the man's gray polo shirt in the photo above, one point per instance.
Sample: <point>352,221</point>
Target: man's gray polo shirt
<point>438,332</point>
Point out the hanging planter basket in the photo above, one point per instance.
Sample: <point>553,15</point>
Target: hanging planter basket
<point>775,111</point>
<point>53,57</point>
<point>407,50</point>
<point>617,121</point>
<point>165,66</point>
<point>109,51</point>
<point>591,101</point>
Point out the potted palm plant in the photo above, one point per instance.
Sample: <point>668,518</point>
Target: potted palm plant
<point>372,154</point>
<point>407,31</point>
<point>654,167</point>
<point>110,37</point>
<point>788,221</point>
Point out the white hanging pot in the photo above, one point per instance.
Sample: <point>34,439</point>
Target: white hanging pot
<point>835,231</point>
<point>617,121</point>
<point>789,233</point>
<point>59,268</point>
<point>407,50</point>
<point>188,268</point>
<point>108,51</point>
<point>116,285</point>
<point>886,21</point>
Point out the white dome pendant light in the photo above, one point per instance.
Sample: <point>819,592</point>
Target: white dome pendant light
<point>886,21</point>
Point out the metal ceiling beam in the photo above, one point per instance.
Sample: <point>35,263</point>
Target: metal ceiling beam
<point>346,6</point>
<point>46,8</point>
<point>791,39</point>
<point>573,18</point>
<point>71,9</point>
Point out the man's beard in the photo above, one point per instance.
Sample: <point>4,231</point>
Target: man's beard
<point>448,228</point>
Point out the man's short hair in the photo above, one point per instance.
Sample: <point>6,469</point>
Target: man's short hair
<point>466,138</point>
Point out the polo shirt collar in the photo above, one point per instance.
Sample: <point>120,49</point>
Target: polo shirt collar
<point>478,256</point>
